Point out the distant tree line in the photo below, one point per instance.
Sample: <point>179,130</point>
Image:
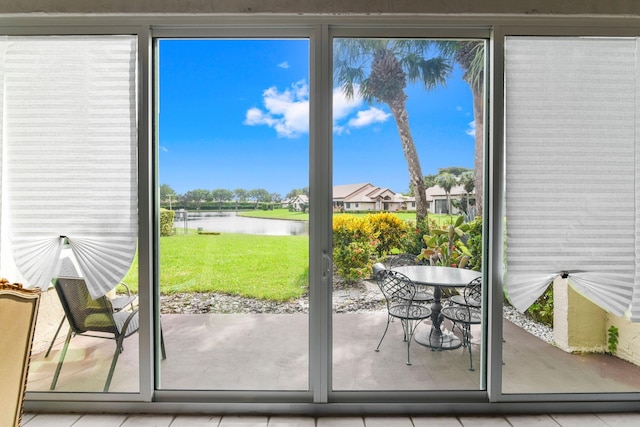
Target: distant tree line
<point>223,199</point>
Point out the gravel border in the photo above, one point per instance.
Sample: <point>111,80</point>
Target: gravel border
<point>364,297</point>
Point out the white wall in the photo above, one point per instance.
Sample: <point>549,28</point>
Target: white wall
<point>538,7</point>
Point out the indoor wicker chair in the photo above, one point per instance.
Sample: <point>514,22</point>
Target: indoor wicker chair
<point>399,292</point>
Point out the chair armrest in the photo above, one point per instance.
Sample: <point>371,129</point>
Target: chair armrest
<point>126,287</point>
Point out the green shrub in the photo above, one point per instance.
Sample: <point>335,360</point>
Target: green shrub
<point>392,232</point>
<point>414,243</point>
<point>354,244</point>
<point>541,311</point>
<point>166,222</point>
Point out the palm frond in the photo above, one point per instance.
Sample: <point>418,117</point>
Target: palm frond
<point>475,73</point>
<point>404,47</point>
<point>431,72</point>
<point>348,78</point>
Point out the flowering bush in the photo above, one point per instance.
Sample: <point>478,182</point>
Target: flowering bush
<point>414,244</point>
<point>392,232</point>
<point>354,244</point>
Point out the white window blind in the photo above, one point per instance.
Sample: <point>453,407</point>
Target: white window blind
<point>69,155</point>
<point>572,168</point>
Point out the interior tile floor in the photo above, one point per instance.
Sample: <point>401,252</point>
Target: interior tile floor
<point>117,420</point>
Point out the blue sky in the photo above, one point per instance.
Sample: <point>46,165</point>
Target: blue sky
<point>234,114</point>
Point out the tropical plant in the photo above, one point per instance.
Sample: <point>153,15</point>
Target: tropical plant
<point>612,341</point>
<point>378,70</point>
<point>474,243</point>
<point>541,310</point>
<point>446,246</point>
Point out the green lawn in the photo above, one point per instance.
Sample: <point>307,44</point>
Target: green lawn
<point>264,267</point>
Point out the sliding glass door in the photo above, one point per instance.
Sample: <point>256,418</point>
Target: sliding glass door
<point>233,136</point>
<point>408,142</point>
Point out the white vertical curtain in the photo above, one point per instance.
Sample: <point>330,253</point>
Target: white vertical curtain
<point>572,168</point>
<point>69,144</point>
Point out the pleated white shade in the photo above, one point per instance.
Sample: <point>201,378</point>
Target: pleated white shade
<point>69,155</point>
<point>572,187</point>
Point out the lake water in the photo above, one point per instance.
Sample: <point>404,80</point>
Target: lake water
<point>229,222</point>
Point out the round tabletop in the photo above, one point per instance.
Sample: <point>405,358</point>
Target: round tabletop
<point>438,276</point>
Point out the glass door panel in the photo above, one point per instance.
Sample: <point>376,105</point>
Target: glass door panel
<point>571,208</point>
<point>408,149</point>
<point>234,196</point>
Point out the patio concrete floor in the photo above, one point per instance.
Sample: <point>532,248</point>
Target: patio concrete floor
<point>269,352</point>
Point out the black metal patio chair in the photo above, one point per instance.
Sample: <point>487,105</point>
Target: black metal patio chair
<point>424,294</point>
<point>466,314</point>
<point>399,292</point>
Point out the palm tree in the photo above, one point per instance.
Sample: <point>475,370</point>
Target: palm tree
<point>379,69</point>
<point>470,56</point>
<point>467,179</point>
<point>447,181</point>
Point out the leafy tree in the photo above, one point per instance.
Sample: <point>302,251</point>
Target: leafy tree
<point>454,170</point>
<point>430,180</point>
<point>379,69</point>
<point>259,195</point>
<point>168,195</point>
<point>197,197</point>
<point>297,192</point>
<point>221,195</point>
<point>240,194</point>
<point>276,198</point>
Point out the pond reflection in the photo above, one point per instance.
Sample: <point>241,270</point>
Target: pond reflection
<point>230,222</point>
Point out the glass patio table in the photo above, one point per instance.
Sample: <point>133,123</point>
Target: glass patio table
<point>438,278</point>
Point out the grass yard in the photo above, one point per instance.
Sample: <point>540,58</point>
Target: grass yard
<point>263,267</point>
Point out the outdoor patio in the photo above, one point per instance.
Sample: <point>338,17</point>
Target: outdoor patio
<point>269,352</point>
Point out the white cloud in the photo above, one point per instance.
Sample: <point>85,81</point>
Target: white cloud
<point>368,117</point>
<point>284,64</point>
<point>164,149</point>
<point>472,129</point>
<point>287,111</point>
<point>344,109</point>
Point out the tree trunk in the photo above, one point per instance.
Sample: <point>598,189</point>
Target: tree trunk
<point>411,155</point>
<point>478,171</point>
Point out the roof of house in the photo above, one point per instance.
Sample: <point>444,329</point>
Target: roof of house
<point>364,193</point>
<point>344,191</point>
<point>437,191</point>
